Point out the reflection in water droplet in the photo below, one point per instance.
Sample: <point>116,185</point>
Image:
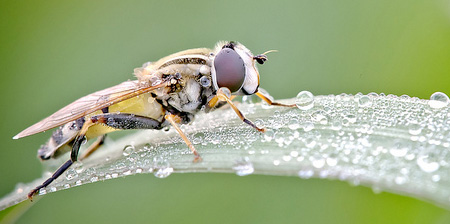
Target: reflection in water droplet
<point>438,100</point>
<point>243,167</point>
<point>304,100</point>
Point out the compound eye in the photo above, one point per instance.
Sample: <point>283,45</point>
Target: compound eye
<point>230,69</point>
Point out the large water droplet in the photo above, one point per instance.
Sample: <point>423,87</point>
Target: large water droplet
<point>304,100</point>
<point>243,167</point>
<point>438,100</point>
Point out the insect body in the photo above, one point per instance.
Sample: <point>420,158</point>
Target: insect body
<point>167,92</point>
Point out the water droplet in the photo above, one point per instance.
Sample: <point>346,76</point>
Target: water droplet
<point>427,164</point>
<point>365,101</point>
<point>350,118</point>
<point>265,105</point>
<point>336,125</point>
<point>320,117</point>
<point>294,124</point>
<point>308,126</point>
<point>436,178</point>
<point>293,153</point>
<point>243,167</point>
<point>269,134</point>
<point>317,161</point>
<point>127,150</point>
<point>305,174</point>
<point>400,180</point>
<point>70,174</point>
<point>250,99</point>
<point>42,191</point>
<point>94,179</point>
<point>438,100</point>
<point>414,128</point>
<point>398,150</point>
<point>79,168</point>
<point>276,162</point>
<point>332,161</point>
<point>161,167</point>
<point>304,100</point>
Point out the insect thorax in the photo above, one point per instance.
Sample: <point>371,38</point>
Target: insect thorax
<point>189,85</point>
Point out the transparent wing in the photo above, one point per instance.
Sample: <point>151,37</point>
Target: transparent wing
<point>88,104</point>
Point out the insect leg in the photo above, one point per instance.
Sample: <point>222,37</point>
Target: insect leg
<point>73,158</point>
<point>120,121</point>
<point>270,102</point>
<point>173,119</point>
<point>224,94</point>
<point>55,175</point>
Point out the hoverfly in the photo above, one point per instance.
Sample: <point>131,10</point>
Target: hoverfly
<point>167,92</point>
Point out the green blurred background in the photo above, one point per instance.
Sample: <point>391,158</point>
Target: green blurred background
<point>53,52</point>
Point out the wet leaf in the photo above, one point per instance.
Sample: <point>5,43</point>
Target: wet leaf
<point>389,143</point>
